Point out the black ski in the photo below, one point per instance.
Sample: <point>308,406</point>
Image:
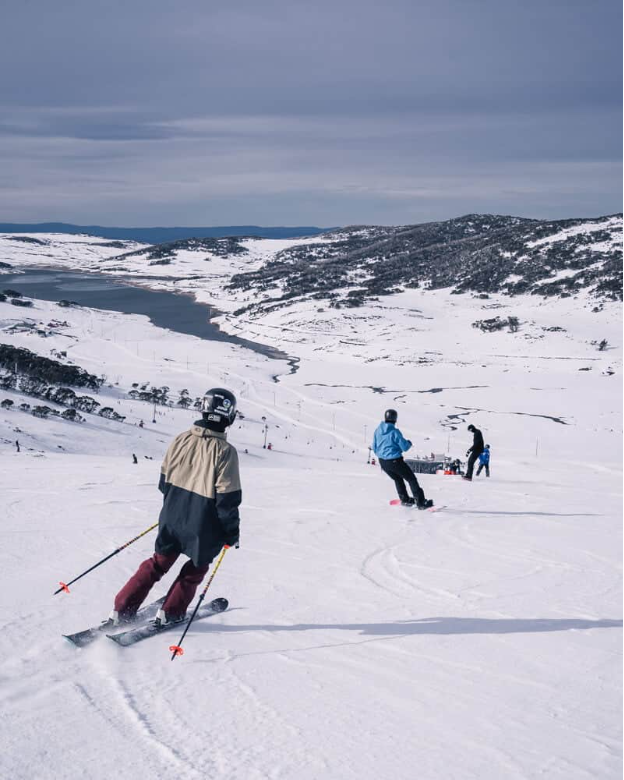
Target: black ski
<point>83,638</point>
<point>138,634</point>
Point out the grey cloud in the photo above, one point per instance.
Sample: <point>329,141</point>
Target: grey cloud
<point>327,112</point>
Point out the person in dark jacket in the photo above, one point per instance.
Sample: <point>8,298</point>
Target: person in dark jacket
<point>389,444</point>
<point>474,451</point>
<point>484,460</point>
<point>200,483</point>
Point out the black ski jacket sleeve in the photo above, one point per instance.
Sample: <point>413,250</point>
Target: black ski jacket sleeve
<point>477,442</point>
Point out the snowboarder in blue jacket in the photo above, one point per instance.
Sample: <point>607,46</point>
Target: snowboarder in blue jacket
<point>389,444</point>
<point>484,460</point>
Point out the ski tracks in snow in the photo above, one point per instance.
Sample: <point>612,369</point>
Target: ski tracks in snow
<point>384,570</point>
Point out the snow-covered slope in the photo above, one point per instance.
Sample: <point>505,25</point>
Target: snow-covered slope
<point>59,250</point>
<point>363,640</point>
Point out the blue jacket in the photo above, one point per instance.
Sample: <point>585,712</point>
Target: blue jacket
<point>388,442</point>
<point>484,457</point>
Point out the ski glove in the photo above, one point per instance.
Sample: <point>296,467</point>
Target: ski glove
<point>232,540</point>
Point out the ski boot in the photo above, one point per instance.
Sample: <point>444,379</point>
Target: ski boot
<point>408,502</point>
<point>115,620</point>
<point>426,504</point>
<point>162,620</point>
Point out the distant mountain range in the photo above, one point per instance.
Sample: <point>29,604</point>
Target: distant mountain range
<point>158,235</point>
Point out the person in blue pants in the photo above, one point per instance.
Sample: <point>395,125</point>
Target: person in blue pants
<point>389,444</point>
<point>484,460</point>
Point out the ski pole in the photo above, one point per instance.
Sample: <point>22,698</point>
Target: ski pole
<point>177,649</point>
<point>65,585</point>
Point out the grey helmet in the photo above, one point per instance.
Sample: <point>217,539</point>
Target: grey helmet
<point>219,405</point>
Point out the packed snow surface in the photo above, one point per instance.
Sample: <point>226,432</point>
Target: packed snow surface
<point>480,642</point>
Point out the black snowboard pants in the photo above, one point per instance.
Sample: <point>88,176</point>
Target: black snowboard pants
<point>474,456</point>
<point>398,470</point>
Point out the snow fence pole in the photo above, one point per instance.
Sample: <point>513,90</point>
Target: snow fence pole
<point>177,649</point>
<point>65,585</point>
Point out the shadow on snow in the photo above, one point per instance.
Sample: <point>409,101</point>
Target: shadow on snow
<point>433,626</point>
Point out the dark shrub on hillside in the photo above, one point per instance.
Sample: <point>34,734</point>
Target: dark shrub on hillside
<point>72,415</point>
<point>20,302</point>
<point>12,293</point>
<point>27,240</point>
<point>41,411</point>
<point>47,370</point>
<point>497,323</point>
<point>110,414</point>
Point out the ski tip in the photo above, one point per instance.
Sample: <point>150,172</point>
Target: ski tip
<point>220,604</point>
<point>70,641</point>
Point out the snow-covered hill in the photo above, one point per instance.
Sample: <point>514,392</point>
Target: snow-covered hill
<point>476,253</point>
<point>363,640</point>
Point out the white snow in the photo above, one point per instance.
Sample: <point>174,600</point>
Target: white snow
<point>362,641</point>
<point>612,224</point>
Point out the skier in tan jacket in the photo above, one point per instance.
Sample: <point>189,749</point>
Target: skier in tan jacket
<point>200,482</point>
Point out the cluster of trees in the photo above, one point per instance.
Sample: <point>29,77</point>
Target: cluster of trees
<point>153,395</point>
<point>497,323</point>
<point>16,298</point>
<point>44,378</point>
<point>63,396</point>
<point>160,396</point>
<point>24,362</point>
<point>44,411</point>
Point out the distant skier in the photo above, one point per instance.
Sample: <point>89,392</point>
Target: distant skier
<point>484,460</point>
<point>389,445</point>
<point>473,452</point>
<point>134,458</point>
<point>455,466</point>
<point>202,492</point>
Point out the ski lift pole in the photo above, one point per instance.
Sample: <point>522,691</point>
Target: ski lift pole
<point>65,585</point>
<point>177,649</point>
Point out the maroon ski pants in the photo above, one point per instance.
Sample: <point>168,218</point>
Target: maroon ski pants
<point>180,594</point>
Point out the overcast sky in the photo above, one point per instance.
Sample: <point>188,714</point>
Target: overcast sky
<point>328,112</point>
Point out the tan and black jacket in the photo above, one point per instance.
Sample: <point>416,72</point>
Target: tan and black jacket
<point>202,492</point>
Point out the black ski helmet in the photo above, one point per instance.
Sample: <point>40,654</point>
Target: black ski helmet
<point>471,428</point>
<point>391,415</point>
<point>219,405</point>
